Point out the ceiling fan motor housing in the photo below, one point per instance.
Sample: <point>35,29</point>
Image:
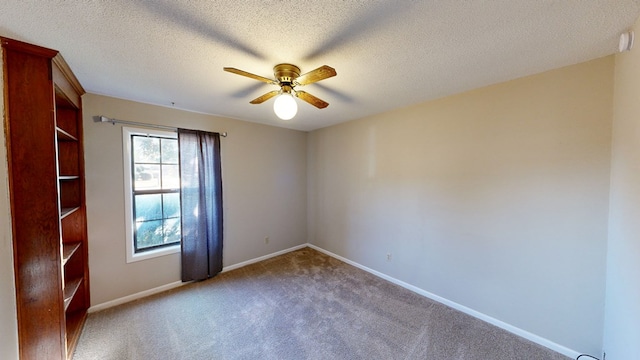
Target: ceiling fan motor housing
<point>286,73</point>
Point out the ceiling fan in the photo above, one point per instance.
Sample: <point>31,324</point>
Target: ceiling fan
<point>288,77</point>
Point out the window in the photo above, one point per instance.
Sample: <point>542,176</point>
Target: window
<point>152,193</point>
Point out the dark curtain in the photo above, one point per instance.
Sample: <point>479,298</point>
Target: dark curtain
<point>201,204</point>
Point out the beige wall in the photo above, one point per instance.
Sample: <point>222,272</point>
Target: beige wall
<point>495,199</point>
<point>8,322</point>
<point>264,193</point>
<point>622,311</point>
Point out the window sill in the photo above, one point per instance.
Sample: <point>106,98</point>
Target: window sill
<point>153,254</point>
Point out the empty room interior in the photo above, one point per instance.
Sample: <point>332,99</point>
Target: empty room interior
<point>483,156</point>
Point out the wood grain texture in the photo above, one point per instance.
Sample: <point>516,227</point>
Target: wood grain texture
<point>34,203</point>
<point>43,126</point>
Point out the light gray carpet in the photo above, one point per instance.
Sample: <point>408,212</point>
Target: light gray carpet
<point>301,305</point>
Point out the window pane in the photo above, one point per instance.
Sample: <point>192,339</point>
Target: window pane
<point>155,198</point>
<point>171,231</point>
<point>169,151</point>
<point>171,205</point>
<point>146,177</point>
<point>170,177</point>
<point>146,149</point>
<point>148,234</point>
<point>148,207</point>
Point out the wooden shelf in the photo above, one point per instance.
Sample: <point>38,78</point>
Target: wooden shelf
<point>65,136</point>
<point>64,212</point>
<point>68,177</point>
<point>70,290</point>
<point>68,250</point>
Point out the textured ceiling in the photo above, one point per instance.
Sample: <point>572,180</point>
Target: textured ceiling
<point>388,54</point>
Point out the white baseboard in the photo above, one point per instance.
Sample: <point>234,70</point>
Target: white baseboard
<point>258,259</point>
<point>501,324</point>
<point>136,296</point>
<point>145,293</point>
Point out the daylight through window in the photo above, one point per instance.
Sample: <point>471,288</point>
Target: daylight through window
<point>156,192</point>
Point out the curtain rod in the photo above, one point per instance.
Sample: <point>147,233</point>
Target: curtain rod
<point>101,118</point>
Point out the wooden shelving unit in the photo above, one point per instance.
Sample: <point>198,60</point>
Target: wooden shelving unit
<point>46,177</point>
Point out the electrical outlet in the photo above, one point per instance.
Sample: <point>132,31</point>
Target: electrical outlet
<point>266,239</point>
<point>388,256</point>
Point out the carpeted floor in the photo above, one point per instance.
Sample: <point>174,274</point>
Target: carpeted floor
<point>301,305</point>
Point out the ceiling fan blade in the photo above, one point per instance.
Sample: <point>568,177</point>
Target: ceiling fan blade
<point>265,97</point>
<point>250,75</point>
<point>320,104</point>
<point>318,74</point>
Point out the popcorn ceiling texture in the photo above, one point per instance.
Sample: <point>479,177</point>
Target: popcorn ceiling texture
<point>388,54</point>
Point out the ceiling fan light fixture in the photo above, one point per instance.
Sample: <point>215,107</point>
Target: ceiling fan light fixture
<point>285,106</point>
<point>288,77</point>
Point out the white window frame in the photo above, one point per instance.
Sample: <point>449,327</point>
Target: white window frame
<point>127,132</point>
